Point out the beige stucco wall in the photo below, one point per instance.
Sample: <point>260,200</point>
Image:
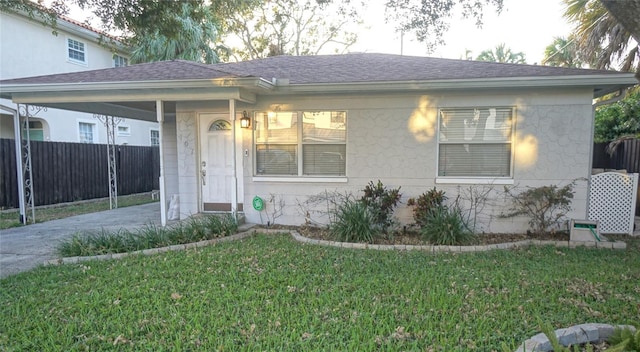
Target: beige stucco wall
<point>392,138</point>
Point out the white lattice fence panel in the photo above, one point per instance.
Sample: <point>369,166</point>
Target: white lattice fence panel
<point>612,201</point>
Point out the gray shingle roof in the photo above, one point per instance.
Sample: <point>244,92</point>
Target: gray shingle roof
<point>348,68</point>
<point>385,67</point>
<point>154,71</point>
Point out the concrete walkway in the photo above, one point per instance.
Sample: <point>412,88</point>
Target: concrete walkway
<point>24,248</point>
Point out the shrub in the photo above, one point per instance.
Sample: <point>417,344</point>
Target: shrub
<point>425,203</point>
<point>381,203</point>
<point>150,236</point>
<point>354,222</point>
<point>221,225</point>
<point>445,226</point>
<point>545,206</point>
<point>625,340</point>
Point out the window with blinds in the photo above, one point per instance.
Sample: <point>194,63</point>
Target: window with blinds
<point>307,143</point>
<point>475,142</point>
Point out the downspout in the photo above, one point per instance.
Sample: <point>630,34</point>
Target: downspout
<point>20,176</point>
<point>163,196</point>
<point>234,191</point>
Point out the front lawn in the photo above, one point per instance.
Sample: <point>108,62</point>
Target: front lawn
<point>271,293</point>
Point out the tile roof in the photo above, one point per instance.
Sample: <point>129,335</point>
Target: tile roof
<point>329,69</point>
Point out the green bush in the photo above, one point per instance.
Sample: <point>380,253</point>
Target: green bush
<point>222,225</point>
<point>625,340</point>
<point>545,206</point>
<point>354,222</point>
<point>619,119</point>
<point>424,203</point>
<point>150,236</point>
<point>445,226</point>
<point>381,203</point>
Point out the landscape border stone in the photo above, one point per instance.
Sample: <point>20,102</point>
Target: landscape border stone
<point>574,335</point>
<point>350,245</point>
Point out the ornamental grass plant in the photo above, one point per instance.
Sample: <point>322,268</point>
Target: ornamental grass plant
<point>354,222</point>
<point>150,236</point>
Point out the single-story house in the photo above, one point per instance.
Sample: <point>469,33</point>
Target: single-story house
<point>333,123</point>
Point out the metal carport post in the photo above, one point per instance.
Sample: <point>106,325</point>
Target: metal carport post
<point>20,176</point>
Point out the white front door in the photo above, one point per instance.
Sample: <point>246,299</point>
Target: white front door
<point>216,167</point>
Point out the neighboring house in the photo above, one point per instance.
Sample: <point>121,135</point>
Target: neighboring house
<point>29,48</point>
<point>334,123</point>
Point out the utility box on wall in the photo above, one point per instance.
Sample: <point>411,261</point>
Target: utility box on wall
<point>584,230</point>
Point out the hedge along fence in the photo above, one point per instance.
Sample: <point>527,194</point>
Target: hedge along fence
<point>67,172</point>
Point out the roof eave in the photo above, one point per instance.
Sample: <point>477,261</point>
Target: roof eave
<point>611,82</point>
<point>251,83</point>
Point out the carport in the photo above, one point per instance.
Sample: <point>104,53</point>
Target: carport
<point>148,92</point>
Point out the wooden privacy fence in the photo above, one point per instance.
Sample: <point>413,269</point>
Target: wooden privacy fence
<point>626,157</point>
<point>67,172</point>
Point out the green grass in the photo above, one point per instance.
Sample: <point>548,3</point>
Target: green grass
<point>11,218</point>
<point>270,293</point>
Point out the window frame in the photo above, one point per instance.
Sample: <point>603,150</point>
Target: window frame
<point>477,179</point>
<point>151,137</point>
<point>69,49</point>
<point>125,132</point>
<point>299,146</point>
<point>93,132</point>
<point>119,58</point>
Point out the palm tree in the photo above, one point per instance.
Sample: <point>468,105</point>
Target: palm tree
<point>191,38</point>
<point>563,52</point>
<point>601,39</point>
<point>502,54</point>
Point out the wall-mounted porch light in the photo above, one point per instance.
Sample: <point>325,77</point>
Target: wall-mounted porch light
<point>245,121</point>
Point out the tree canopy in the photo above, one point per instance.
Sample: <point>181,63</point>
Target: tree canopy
<point>618,119</point>
<point>601,40</point>
<point>155,30</point>
<point>290,27</point>
<point>427,19</point>
<point>563,52</point>
<point>501,53</point>
<point>190,38</point>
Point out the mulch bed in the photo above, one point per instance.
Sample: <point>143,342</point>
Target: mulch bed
<point>411,237</point>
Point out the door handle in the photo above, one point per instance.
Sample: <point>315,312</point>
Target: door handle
<point>204,176</point>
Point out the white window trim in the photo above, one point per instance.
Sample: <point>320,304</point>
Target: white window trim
<point>300,177</point>
<point>126,133</point>
<point>72,60</point>
<point>474,181</point>
<point>95,130</point>
<point>480,179</point>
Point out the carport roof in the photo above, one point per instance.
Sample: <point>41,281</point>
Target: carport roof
<point>154,71</point>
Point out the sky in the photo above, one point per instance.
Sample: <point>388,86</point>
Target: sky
<point>526,26</point>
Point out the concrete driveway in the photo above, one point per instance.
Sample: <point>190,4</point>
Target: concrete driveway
<point>24,248</point>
